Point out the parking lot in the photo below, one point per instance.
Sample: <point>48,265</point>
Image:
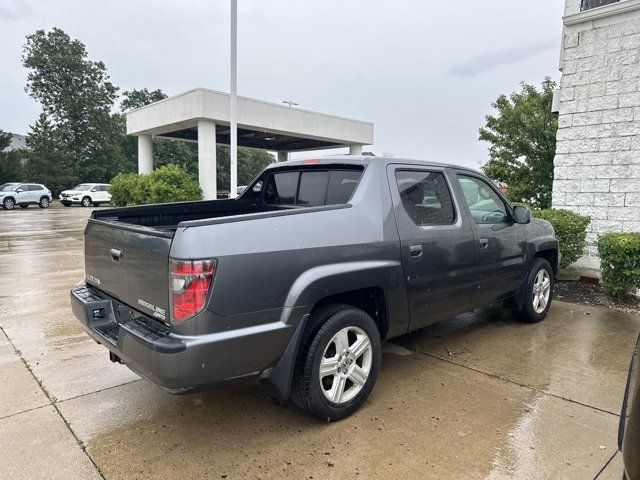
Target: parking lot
<point>480,396</point>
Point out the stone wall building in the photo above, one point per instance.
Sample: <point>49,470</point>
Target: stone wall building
<point>597,163</point>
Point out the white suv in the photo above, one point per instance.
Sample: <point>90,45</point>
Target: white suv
<point>24,194</point>
<point>86,194</point>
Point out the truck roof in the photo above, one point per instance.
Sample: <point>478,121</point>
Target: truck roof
<point>368,159</point>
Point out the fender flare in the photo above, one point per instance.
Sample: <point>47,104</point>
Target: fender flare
<point>547,243</point>
<point>308,289</point>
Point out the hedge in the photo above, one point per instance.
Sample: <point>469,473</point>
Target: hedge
<point>571,232</point>
<point>171,183</point>
<point>620,262</point>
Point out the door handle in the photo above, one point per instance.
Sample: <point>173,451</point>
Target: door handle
<point>484,243</point>
<point>415,251</point>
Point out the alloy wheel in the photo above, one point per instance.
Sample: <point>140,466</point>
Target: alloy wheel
<point>541,291</point>
<point>345,365</point>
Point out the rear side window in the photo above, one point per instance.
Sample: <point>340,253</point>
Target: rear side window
<point>311,188</point>
<point>425,197</point>
<point>34,188</point>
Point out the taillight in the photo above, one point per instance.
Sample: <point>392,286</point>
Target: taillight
<point>190,282</point>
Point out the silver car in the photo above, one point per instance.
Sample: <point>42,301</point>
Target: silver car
<point>24,194</point>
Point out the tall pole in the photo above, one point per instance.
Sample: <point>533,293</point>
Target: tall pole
<point>233,108</point>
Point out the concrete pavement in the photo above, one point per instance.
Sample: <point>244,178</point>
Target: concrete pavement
<point>480,396</point>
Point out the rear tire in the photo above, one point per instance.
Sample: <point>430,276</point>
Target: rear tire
<point>44,202</point>
<point>8,203</point>
<point>86,202</point>
<point>538,292</point>
<point>346,343</point>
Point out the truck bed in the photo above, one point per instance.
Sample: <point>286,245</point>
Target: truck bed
<point>166,217</point>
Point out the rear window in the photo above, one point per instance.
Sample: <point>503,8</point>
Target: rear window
<point>311,187</point>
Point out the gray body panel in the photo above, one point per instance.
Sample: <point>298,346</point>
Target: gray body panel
<point>275,264</point>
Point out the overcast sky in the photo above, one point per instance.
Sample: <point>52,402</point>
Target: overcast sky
<point>425,72</point>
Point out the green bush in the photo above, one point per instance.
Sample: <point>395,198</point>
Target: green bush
<point>571,231</point>
<point>167,184</point>
<point>620,261</point>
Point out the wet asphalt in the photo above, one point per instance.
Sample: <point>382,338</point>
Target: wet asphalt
<point>480,396</point>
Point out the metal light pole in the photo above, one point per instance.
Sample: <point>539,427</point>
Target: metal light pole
<point>233,98</point>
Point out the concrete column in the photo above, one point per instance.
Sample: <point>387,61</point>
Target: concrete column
<point>283,156</point>
<point>355,149</point>
<point>207,158</point>
<point>145,154</point>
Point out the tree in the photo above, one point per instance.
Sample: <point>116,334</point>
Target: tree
<point>139,98</point>
<point>251,161</point>
<point>522,134</point>
<point>11,163</point>
<point>48,160</point>
<point>77,98</point>
<point>5,140</point>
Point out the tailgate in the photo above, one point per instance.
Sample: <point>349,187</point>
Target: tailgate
<point>130,264</point>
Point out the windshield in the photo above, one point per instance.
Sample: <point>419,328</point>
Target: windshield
<point>7,187</point>
<point>82,187</point>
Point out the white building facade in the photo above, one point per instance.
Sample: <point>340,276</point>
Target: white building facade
<point>597,163</point>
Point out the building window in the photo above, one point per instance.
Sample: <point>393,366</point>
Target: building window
<point>589,4</point>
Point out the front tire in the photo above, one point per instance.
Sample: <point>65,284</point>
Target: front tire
<point>538,292</point>
<point>338,362</point>
<point>86,202</point>
<point>44,202</point>
<point>8,204</point>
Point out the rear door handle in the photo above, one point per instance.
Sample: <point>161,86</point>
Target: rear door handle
<point>484,242</point>
<point>415,251</point>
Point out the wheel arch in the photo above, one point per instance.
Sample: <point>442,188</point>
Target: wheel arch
<point>359,284</point>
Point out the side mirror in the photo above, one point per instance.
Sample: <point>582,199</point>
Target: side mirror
<point>521,214</point>
<point>19,190</point>
<point>94,190</point>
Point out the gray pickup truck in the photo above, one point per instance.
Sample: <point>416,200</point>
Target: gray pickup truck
<point>295,283</point>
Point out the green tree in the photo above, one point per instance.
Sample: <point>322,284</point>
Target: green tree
<point>48,160</point>
<point>522,134</point>
<point>77,98</point>
<point>251,161</point>
<point>11,163</point>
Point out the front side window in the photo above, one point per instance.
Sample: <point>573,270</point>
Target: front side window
<point>425,197</point>
<point>82,187</point>
<point>484,203</point>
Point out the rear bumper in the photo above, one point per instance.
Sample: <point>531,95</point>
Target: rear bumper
<point>179,364</point>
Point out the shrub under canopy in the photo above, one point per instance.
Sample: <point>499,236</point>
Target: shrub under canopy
<point>167,184</point>
<point>620,261</point>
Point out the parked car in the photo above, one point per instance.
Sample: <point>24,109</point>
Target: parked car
<point>86,194</point>
<point>296,282</point>
<point>24,194</point>
<point>629,432</point>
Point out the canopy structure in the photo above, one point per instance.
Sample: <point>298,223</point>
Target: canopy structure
<point>201,115</point>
